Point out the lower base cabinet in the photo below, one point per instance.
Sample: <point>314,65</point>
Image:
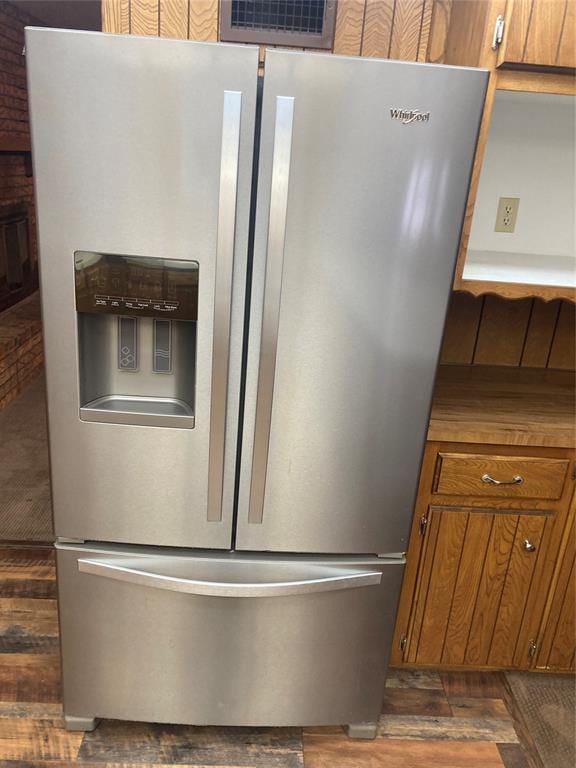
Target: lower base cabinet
<point>484,587</point>
<point>558,644</point>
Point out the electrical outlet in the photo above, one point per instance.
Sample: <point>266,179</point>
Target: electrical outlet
<point>507,214</point>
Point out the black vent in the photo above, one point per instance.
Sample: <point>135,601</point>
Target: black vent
<point>306,23</point>
<point>285,16</point>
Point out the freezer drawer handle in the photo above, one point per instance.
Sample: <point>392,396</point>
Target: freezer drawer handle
<point>334,579</point>
<point>223,299</point>
<point>271,312</point>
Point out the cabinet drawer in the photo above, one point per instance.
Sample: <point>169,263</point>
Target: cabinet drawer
<point>467,474</point>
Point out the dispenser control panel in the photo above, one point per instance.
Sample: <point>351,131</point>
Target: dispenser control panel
<point>136,285</point>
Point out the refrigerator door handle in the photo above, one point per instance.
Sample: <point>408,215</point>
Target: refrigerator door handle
<point>271,311</point>
<point>144,572</point>
<point>230,150</point>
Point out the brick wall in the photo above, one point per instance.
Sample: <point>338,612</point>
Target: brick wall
<point>16,183</point>
<point>20,326</point>
<point>21,355</point>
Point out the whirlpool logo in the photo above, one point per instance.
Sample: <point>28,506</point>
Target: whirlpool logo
<point>407,116</point>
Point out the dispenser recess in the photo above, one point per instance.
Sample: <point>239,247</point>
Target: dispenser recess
<point>136,338</point>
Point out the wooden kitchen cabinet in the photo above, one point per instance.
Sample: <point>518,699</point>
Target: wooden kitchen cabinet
<point>536,34</point>
<point>524,150</point>
<point>558,643</point>
<point>478,568</point>
<point>527,107</point>
<point>539,33</point>
<point>482,570</point>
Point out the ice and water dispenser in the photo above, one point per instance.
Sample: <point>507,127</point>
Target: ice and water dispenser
<point>137,338</point>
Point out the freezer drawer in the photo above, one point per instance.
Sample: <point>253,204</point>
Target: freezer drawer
<point>167,636</point>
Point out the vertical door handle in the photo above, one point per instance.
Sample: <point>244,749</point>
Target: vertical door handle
<point>223,298</point>
<point>270,317</point>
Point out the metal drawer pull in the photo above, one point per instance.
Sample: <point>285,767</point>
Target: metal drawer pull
<point>517,480</point>
<point>528,546</point>
<point>228,581</point>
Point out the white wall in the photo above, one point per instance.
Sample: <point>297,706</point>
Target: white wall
<point>530,154</point>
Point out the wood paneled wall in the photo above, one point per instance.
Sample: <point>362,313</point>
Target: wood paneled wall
<point>397,29</point>
<point>185,19</point>
<point>489,330</point>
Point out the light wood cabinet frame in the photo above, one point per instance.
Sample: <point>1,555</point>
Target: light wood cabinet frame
<point>507,80</point>
<point>542,520</point>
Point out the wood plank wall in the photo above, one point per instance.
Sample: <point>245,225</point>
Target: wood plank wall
<point>399,29</point>
<point>185,19</point>
<point>489,330</point>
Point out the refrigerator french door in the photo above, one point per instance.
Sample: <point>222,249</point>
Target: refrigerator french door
<point>243,301</point>
<point>143,159</point>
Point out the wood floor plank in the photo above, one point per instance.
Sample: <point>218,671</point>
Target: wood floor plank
<point>488,685</point>
<point>414,678</point>
<point>23,739</point>
<point>29,571</point>
<point>327,752</point>
<point>67,764</point>
<point>20,557</point>
<point>29,677</point>
<point>28,625</point>
<point>479,707</point>
<point>411,701</point>
<point>450,728</point>
<point>21,586</point>
<point>31,710</point>
<point>118,742</point>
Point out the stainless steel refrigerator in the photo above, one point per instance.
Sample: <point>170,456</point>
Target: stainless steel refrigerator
<point>243,297</point>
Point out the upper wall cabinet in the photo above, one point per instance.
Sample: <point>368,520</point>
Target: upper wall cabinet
<point>521,239</point>
<point>539,33</point>
<point>534,34</point>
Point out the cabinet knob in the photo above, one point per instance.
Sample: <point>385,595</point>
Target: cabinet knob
<point>516,480</point>
<point>528,546</point>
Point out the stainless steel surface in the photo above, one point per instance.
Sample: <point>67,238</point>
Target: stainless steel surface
<point>271,310</point>
<point>140,653</point>
<point>362,730</point>
<point>147,411</point>
<point>162,346</point>
<point>132,134</point>
<point>128,343</point>
<point>100,377</point>
<point>72,723</point>
<point>375,209</point>
<point>528,546</point>
<point>498,34</point>
<point>223,299</point>
<point>229,579</point>
<point>516,480</point>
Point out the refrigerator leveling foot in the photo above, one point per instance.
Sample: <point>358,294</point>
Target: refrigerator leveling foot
<point>362,730</point>
<point>73,723</point>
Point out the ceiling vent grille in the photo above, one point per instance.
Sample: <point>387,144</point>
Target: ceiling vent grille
<point>298,23</point>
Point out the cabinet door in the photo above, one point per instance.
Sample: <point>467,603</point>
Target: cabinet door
<point>476,573</point>
<point>558,642</point>
<point>539,33</point>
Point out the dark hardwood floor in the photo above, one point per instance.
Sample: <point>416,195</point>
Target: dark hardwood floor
<point>429,719</point>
